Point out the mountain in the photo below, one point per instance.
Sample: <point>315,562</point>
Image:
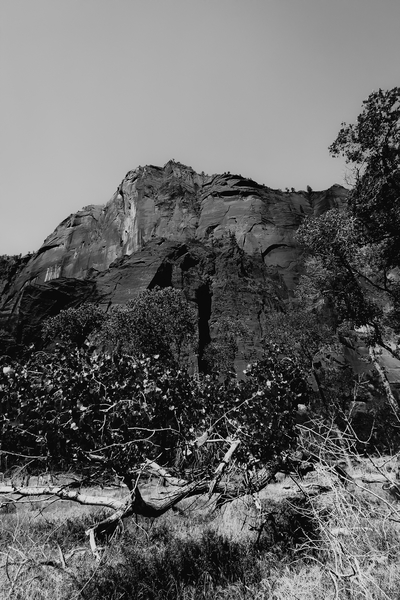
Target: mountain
<point>225,239</point>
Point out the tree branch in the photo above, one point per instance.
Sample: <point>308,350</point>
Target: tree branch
<point>222,466</point>
<point>63,494</point>
<point>135,504</point>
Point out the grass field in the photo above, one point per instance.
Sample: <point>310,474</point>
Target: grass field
<point>287,544</point>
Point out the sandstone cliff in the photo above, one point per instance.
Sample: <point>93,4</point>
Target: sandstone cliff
<point>166,226</point>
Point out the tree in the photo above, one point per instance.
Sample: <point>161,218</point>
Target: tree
<point>73,326</point>
<point>158,321</point>
<point>354,250</point>
<point>221,352</point>
<point>341,275</point>
<point>357,247</point>
<point>134,417</point>
<point>305,332</point>
<point>371,147</point>
<point>338,270</point>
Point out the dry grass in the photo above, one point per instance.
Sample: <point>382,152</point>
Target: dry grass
<point>351,552</point>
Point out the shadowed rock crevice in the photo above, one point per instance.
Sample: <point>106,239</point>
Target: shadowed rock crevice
<point>265,252</point>
<point>163,277</point>
<point>46,300</point>
<point>203,299</point>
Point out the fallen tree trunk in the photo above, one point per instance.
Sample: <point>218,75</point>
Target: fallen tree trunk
<point>136,504</point>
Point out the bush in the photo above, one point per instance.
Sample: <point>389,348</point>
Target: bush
<point>73,325</point>
<point>158,321</point>
<point>64,405</point>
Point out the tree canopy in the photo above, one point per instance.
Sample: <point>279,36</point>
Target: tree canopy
<point>73,325</point>
<point>157,321</point>
<point>355,249</point>
<point>371,147</point>
<point>99,415</point>
<point>354,257</point>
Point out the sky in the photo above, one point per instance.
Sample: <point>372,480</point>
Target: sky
<point>91,89</point>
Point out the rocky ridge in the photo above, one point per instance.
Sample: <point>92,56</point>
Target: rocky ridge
<point>225,239</point>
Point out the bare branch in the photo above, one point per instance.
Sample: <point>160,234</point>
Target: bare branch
<point>222,466</point>
<point>63,494</point>
<point>152,467</point>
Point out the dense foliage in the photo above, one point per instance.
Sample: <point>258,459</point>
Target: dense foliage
<point>220,353</point>
<point>158,321</point>
<point>355,249</point>
<point>73,325</point>
<point>67,406</point>
<point>371,147</point>
<point>10,264</point>
<point>353,255</point>
<point>307,333</point>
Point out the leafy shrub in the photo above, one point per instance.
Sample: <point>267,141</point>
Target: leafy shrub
<point>220,354</point>
<point>158,321</point>
<point>65,405</point>
<point>73,325</point>
<point>10,264</point>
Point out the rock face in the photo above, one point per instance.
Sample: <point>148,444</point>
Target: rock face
<point>167,226</point>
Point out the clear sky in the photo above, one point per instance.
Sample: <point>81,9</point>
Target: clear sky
<point>93,88</point>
